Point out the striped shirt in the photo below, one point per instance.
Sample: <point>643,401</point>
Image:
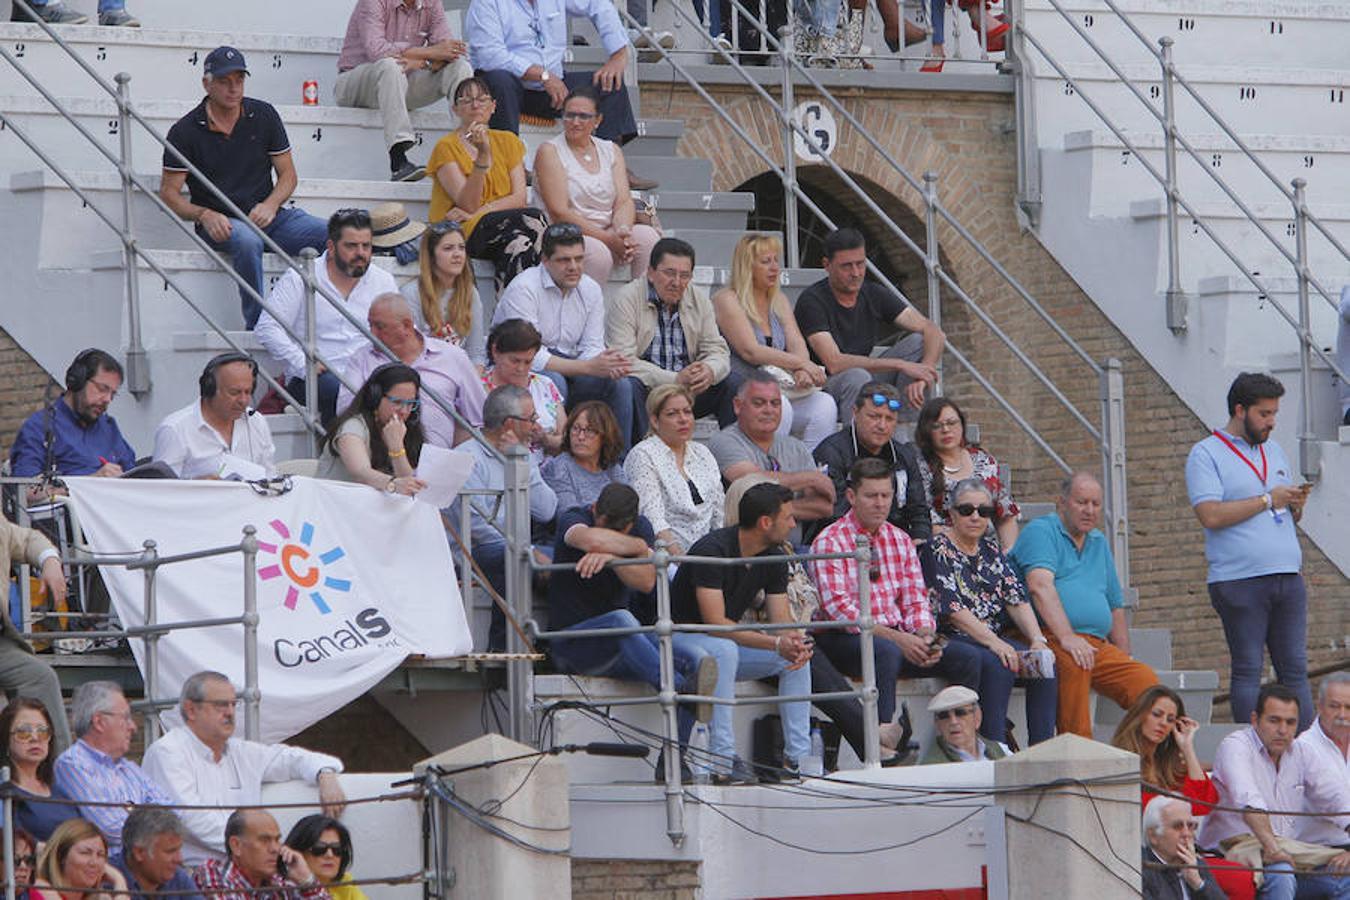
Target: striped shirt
<point>85,774</point>
<point>899,597</point>
<point>668,348</point>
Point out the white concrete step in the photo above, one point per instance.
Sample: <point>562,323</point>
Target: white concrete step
<point>1196,687</point>
<point>1206,32</point>
<point>1246,330</point>
<point>325,18</point>
<point>1118,176</point>
<point>1252,99</point>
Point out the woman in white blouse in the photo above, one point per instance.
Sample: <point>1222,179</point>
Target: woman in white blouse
<point>582,179</point>
<point>676,477</point>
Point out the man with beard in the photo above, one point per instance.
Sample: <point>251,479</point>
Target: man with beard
<point>1242,488</point>
<point>344,269</point>
<point>74,435</point>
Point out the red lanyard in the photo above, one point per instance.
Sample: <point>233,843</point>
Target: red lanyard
<point>1242,456</point>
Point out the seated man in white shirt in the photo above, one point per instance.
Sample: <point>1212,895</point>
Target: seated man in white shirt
<point>1264,772</point>
<point>219,435</point>
<point>202,763</point>
<point>345,271</point>
<point>1329,738</point>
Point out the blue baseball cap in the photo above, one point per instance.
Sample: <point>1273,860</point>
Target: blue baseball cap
<point>223,61</point>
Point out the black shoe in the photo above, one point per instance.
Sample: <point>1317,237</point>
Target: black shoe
<point>686,773</point>
<point>741,773</point>
<point>409,171</point>
<point>54,13</point>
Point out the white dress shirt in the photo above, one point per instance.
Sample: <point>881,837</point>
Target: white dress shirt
<point>188,444</point>
<point>571,323</point>
<point>180,762</point>
<point>335,338</point>
<point>1246,776</point>
<point>1324,831</point>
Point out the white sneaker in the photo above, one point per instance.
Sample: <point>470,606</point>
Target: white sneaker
<point>721,43</point>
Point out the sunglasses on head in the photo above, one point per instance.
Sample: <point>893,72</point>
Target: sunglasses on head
<point>562,230</point>
<point>444,227</point>
<point>960,713</point>
<point>883,400</point>
<point>969,509</point>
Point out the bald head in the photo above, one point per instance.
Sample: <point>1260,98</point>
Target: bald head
<point>1080,504</point>
<point>391,320</point>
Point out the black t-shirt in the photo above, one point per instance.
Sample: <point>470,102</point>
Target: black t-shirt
<point>240,164</point>
<point>739,584</point>
<point>854,330</point>
<point>572,599</point>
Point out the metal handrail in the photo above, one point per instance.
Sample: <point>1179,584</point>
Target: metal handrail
<point>130,179</point>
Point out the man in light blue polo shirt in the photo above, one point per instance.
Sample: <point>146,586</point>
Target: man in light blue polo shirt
<point>1243,491</point>
<point>1069,571</point>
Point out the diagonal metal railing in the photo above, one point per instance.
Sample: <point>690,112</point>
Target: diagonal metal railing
<point>1173,140</point>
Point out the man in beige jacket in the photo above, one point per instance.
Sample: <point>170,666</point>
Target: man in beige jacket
<point>668,328</point>
<point>22,674</point>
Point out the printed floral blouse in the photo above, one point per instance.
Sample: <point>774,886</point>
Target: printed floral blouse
<point>985,468</point>
<point>983,584</point>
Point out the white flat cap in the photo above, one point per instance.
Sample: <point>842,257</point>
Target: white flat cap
<point>953,697</point>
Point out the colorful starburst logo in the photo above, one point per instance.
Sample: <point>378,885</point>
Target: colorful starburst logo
<point>297,563</point>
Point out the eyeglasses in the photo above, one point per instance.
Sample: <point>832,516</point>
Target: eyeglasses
<point>443,227</point>
<point>410,405</point>
<point>883,400</point>
<point>323,849</point>
<point>676,275</point>
<point>960,713</point>
<point>30,733</point>
<point>564,230</point>
<point>533,420</point>
<point>28,860</point>
<point>584,430</point>
<point>944,424</point>
<point>969,509</point>
<point>578,116</point>
<point>124,716</point>
<point>103,390</point>
<point>221,705</point>
<point>1185,825</point>
<point>475,100</point>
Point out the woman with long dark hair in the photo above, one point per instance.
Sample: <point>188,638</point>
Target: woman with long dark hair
<point>946,457</point>
<point>26,727</point>
<point>326,845</point>
<point>378,438</point>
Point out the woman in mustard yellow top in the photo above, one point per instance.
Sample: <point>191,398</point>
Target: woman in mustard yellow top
<point>478,180</point>
<point>326,846</point>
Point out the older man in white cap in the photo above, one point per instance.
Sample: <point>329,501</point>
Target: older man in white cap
<point>956,729</point>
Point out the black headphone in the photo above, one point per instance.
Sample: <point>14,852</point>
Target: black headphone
<point>206,384</point>
<point>82,368</point>
<point>373,392</point>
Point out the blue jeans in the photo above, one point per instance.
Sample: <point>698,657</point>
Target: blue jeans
<point>996,684</point>
<point>616,393</point>
<point>293,229</point>
<point>959,664</point>
<point>1282,885</point>
<point>820,17</point>
<point>328,394</point>
<point>103,5</point>
<point>1266,612</point>
<point>631,657</point>
<point>736,663</point>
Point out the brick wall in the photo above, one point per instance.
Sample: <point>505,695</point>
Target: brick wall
<point>22,384</point>
<point>620,879</point>
<point>968,141</point>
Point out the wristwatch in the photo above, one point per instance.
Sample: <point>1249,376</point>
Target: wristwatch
<point>543,79</point>
<point>390,487</point>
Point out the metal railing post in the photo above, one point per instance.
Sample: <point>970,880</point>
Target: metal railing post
<point>9,837</point>
<point>1113,465</point>
<point>665,641</point>
<point>932,261</point>
<point>466,535</point>
<point>307,258</point>
<point>519,671</point>
<point>871,725</point>
<point>138,370</point>
<point>252,696</point>
<point>790,238</point>
<point>1308,452</point>
<point>1176,298</point>
<point>151,612</point>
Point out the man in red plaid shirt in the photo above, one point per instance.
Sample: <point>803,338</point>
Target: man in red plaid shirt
<point>256,861</point>
<point>905,641</point>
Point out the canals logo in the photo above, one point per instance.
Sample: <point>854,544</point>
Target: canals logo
<point>304,570</point>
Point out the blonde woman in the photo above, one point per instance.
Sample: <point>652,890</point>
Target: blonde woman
<point>74,866</point>
<point>444,297</point>
<point>755,317</point>
<point>582,179</point>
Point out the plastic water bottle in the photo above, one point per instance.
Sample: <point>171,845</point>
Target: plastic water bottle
<point>814,764</point>
<point>698,754</point>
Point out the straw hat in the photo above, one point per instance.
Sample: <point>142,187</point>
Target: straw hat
<point>390,226</point>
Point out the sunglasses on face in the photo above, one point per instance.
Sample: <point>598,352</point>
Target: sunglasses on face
<point>883,400</point>
<point>969,509</point>
<point>323,849</point>
<point>28,860</point>
<point>30,733</point>
<point>577,116</point>
<point>960,713</point>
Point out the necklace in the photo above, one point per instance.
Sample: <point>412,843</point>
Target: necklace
<point>952,470</point>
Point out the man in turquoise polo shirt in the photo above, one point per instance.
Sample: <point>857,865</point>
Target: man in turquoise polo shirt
<point>1243,491</point>
<point>1067,565</point>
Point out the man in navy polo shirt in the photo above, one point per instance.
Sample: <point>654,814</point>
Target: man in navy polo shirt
<point>1067,565</point>
<point>237,142</point>
<point>1242,488</point>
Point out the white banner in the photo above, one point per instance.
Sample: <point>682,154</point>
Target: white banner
<point>350,582</point>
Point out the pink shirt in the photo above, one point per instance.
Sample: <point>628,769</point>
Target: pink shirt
<point>380,28</point>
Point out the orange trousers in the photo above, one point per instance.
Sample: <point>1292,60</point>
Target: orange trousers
<point>1114,674</point>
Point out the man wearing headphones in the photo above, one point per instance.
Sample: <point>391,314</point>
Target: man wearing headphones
<point>74,435</point>
<point>219,435</point>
